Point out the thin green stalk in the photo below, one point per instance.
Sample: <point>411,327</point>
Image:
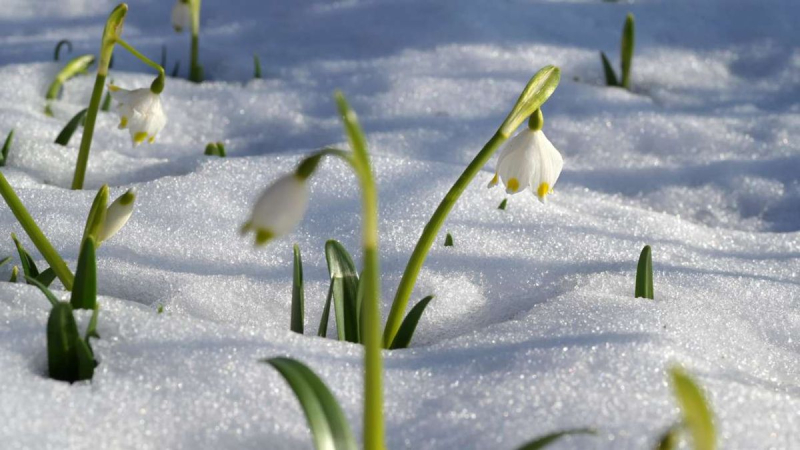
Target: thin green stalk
<point>37,237</point>
<point>428,237</point>
<point>370,320</point>
<point>195,69</point>
<point>158,85</point>
<point>536,92</point>
<point>110,34</point>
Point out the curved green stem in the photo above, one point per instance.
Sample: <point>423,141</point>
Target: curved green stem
<point>428,236</point>
<point>35,233</point>
<point>111,32</point>
<point>540,87</point>
<point>158,85</point>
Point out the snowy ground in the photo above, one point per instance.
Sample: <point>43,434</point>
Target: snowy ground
<point>533,328</point>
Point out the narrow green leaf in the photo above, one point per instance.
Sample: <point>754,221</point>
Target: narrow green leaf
<point>66,351</point>
<point>5,261</point>
<point>28,266</point>
<point>91,329</point>
<point>6,147</point>
<point>106,106</point>
<point>355,135</point>
<point>644,275</point>
<point>47,292</point>
<point>84,291</point>
<point>97,215</point>
<point>69,129</point>
<point>540,87</point>
<point>221,149</point>
<point>544,441</point>
<point>626,51</point>
<point>611,76</point>
<point>406,332</point>
<point>75,66</point>
<point>448,240</point>
<point>175,69</point>
<point>47,276</point>
<point>669,440</point>
<point>325,417</point>
<point>344,279</point>
<point>14,274</point>
<point>57,51</point>
<point>322,331</point>
<point>298,293</point>
<point>697,416</point>
<point>257,67</point>
<point>503,204</point>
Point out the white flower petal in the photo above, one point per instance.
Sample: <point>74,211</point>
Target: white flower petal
<point>117,214</point>
<point>529,160</point>
<point>281,207</point>
<point>141,112</point>
<point>181,16</point>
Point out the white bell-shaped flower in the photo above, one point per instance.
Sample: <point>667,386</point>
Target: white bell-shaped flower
<point>140,111</point>
<point>528,160</point>
<point>117,214</point>
<point>181,15</point>
<point>279,209</point>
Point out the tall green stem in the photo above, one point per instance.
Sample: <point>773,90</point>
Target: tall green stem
<point>195,69</point>
<point>37,237</point>
<point>111,32</point>
<point>428,236</point>
<point>370,314</point>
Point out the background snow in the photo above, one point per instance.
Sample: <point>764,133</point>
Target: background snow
<point>533,327</point>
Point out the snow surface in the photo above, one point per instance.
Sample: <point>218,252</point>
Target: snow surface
<point>533,327</point>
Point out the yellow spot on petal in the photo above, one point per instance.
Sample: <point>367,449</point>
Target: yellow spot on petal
<point>123,122</point>
<point>151,139</point>
<point>513,185</point>
<point>113,88</point>
<point>494,181</point>
<point>139,137</point>
<point>543,190</point>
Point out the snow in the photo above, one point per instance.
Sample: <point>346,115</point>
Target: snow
<point>533,328</point>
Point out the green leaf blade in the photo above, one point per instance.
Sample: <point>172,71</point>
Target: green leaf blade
<point>6,148</point>
<point>29,268</point>
<point>644,275</point>
<point>626,50</point>
<point>298,293</point>
<point>697,416</point>
<point>325,417</point>
<point>97,215</point>
<point>84,291</point>
<point>344,279</point>
<point>544,441</point>
<point>66,359</point>
<point>69,129</point>
<point>406,332</point>
<point>611,76</point>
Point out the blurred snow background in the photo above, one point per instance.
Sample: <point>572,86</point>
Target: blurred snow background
<point>533,328</point>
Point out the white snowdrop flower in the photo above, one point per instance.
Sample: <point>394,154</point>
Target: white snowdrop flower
<point>528,160</point>
<point>139,111</point>
<point>117,214</point>
<point>181,15</point>
<point>279,209</point>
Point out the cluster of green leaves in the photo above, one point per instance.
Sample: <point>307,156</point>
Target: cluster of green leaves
<point>626,56</point>
<point>345,294</point>
<point>216,149</point>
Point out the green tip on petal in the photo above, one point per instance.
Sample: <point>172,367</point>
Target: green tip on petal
<point>263,236</point>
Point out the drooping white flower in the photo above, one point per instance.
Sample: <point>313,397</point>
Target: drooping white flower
<point>139,111</point>
<point>528,160</point>
<point>181,15</point>
<point>117,215</point>
<point>279,209</point>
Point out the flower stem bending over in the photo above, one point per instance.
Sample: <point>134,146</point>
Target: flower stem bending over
<point>152,122</point>
<point>111,32</point>
<point>281,207</point>
<point>538,90</point>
